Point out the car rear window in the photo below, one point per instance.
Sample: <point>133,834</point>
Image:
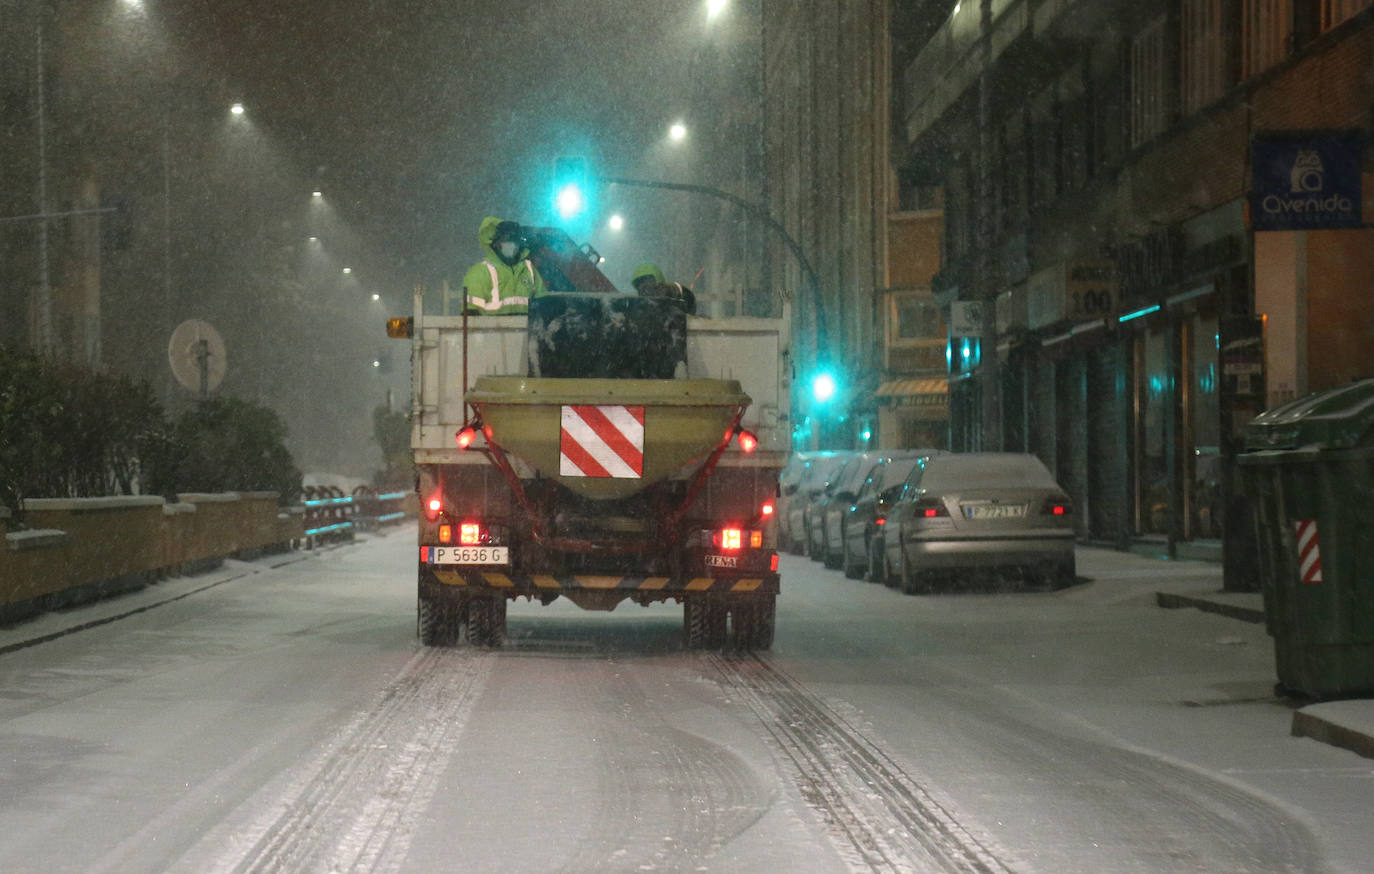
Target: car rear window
<point>949,472</point>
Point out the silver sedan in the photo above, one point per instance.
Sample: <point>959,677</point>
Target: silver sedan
<point>974,516</point>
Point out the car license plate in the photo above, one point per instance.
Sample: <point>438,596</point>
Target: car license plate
<point>465,554</point>
<point>995,511</point>
<point>722,561</point>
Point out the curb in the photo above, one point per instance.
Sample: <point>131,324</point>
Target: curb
<point>1170,601</point>
<point>1308,725</point>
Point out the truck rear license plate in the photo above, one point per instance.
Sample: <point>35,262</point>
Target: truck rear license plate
<point>722,561</point>
<point>465,554</point>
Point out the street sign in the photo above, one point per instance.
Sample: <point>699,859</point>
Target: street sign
<point>1307,180</point>
<point>966,318</point>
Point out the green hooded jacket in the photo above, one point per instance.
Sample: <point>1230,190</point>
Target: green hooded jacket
<point>492,286</point>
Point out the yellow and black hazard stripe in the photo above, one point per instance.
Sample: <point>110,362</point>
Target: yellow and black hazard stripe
<point>536,583</point>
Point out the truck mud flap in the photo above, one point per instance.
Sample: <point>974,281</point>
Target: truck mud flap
<point>539,584</point>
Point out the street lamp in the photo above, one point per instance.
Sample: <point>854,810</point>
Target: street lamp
<point>236,109</point>
<point>678,132</point>
<point>347,270</point>
<point>617,223</point>
<point>714,8</point>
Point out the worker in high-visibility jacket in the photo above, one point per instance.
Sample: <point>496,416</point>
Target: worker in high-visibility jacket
<point>504,281</point>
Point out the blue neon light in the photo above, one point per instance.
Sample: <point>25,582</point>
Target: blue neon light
<point>1138,313</point>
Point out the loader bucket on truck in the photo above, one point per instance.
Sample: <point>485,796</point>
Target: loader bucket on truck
<point>608,438</point>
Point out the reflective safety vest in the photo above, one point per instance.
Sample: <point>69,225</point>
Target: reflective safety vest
<point>498,303</point>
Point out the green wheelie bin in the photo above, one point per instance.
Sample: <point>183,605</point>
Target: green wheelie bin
<point>1309,468</point>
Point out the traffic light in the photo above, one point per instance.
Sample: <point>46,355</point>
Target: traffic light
<point>571,186</point>
<point>823,386</point>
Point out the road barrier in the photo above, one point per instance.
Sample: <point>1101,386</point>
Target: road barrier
<point>331,515</point>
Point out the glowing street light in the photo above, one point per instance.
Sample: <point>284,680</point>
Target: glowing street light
<point>617,223</point>
<point>236,109</point>
<point>348,270</point>
<point>714,8</point>
<point>316,194</point>
<point>678,132</point>
<point>376,296</point>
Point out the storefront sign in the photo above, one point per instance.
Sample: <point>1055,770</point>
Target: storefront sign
<point>1090,292</point>
<point>1305,181</point>
<point>1072,291</point>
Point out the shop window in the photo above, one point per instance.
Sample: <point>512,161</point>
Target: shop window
<point>1266,30</point>
<point>1202,54</point>
<point>1204,426</point>
<point>1154,393</point>
<point>1149,104</point>
<point>1337,12</point>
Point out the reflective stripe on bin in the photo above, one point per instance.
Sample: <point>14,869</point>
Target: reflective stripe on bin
<point>1309,551</point>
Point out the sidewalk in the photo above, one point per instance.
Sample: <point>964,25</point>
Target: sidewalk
<point>1348,724</point>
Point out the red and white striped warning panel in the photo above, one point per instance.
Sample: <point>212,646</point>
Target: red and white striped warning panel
<point>602,441</point>
<point>1309,551</point>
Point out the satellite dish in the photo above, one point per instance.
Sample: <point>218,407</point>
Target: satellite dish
<point>197,354</point>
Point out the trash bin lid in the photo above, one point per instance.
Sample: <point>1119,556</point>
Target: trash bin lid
<point>1340,418</point>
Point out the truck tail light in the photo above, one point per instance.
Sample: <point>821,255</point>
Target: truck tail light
<point>767,509</point>
<point>736,538</point>
<point>747,441</point>
<point>773,563</point>
<point>434,505</point>
<point>465,437</point>
<point>446,533</point>
<point>470,533</point>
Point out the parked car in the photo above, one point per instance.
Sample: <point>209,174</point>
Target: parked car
<point>818,468</point>
<point>838,506</point>
<point>789,481</point>
<point>967,516</point>
<point>846,480</point>
<point>865,520</point>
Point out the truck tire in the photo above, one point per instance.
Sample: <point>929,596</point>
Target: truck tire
<point>703,623</point>
<point>486,621</point>
<point>753,622</point>
<point>437,621</point>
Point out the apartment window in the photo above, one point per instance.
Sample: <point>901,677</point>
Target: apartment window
<point>1202,60</point>
<point>1148,104</point>
<point>1045,147</point>
<point>1075,130</point>
<point>915,317</point>
<point>1266,29</point>
<point>1336,12</point>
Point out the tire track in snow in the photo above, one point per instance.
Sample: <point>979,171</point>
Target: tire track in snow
<point>878,817</point>
<point>354,807</point>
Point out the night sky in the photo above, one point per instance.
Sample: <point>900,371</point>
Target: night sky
<point>420,118</point>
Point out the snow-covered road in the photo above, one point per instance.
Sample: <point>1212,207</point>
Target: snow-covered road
<point>279,716</point>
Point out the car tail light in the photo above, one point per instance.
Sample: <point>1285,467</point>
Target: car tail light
<point>929,508</point>
<point>1058,507</point>
<point>445,533</point>
<point>767,509</point>
<point>881,520</point>
<point>434,506</point>
<point>465,437</point>
<point>470,533</point>
<point>747,441</point>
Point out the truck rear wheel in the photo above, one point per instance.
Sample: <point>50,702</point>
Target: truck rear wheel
<point>486,620</point>
<point>753,622</point>
<point>703,622</point>
<point>437,621</point>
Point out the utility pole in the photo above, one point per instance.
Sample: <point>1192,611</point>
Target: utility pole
<point>990,430</point>
<point>43,334</point>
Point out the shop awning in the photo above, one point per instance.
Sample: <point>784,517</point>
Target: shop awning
<point>902,388</point>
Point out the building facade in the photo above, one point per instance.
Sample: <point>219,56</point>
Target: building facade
<point>1096,162</point>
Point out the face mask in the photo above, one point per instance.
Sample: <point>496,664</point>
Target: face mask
<point>507,249</point>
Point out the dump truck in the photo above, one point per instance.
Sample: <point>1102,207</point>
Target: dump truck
<point>605,447</point>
